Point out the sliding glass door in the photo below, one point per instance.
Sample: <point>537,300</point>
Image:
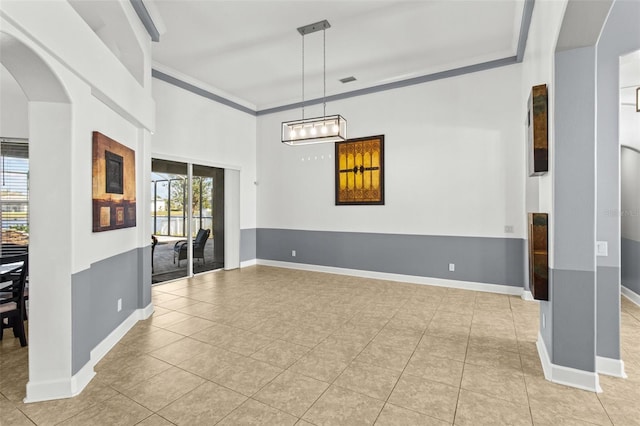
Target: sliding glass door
<point>187,219</point>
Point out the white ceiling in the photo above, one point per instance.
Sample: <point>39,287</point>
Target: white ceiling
<point>250,51</point>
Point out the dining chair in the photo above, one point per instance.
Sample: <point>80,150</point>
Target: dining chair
<point>13,307</point>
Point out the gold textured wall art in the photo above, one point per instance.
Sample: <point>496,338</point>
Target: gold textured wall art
<point>359,176</point>
<point>114,184</point>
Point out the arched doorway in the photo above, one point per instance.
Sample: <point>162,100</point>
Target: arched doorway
<point>50,136</point>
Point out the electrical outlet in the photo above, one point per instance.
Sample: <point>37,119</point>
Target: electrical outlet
<point>508,229</point>
<point>293,253</point>
<point>119,305</point>
<point>452,267</point>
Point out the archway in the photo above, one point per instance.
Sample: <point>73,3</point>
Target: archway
<point>50,137</point>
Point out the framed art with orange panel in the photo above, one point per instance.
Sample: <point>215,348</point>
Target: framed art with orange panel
<point>114,184</point>
<point>359,175</point>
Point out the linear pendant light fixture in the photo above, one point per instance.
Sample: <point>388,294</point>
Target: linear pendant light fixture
<point>328,128</point>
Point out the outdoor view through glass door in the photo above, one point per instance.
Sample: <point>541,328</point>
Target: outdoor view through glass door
<point>173,217</point>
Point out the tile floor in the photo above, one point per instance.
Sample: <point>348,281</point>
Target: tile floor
<point>281,347</point>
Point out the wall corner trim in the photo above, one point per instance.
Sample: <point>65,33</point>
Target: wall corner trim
<point>412,279</point>
<point>630,294</point>
<point>67,388</point>
<point>567,376</point>
<point>528,296</point>
<point>610,367</point>
<point>248,263</point>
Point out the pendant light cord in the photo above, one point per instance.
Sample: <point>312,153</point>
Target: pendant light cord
<point>303,76</point>
<point>324,72</point>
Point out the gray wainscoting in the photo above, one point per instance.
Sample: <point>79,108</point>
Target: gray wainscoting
<point>476,259</point>
<point>247,244</point>
<point>608,310</point>
<point>94,297</point>
<point>573,319</point>
<point>630,264</point>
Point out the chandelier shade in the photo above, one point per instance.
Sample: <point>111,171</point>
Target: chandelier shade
<point>330,128</point>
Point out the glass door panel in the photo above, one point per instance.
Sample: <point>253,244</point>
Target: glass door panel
<point>168,220</point>
<point>208,218</point>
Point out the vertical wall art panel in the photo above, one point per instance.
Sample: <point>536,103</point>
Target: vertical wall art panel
<point>537,131</point>
<point>538,255</point>
<point>360,171</point>
<point>114,184</point>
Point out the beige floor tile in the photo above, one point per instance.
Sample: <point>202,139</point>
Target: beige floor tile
<point>247,376</point>
<point>280,353</point>
<point>133,372</point>
<point>322,368</point>
<point>475,409</point>
<point>618,388</point>
<point>393,415</point>
<point>443,370</point>
<point>180,350</point>
<point>155,420</point>
<point>244,342</point>
<point>164,388</point>
<point>431,398</point>
<point>211,363</point>
<point>53,412</point>
<point>252,412</point>
<point>385,356</point>
<point>205,405</point>
<point>190,326</point>
<point>118,410</point>
<point>502,343</point>
<point>370,380</point>
<point>291,392</point>
<point>169,319</point>
<point>564,402</point>
<point>490,357</point>
<point>177,303</point>
<point>147,342</point>
<point>338,406</point>
<point>10,415</point>
<point>305,336</point>
<point>621,411</point>
<point>444,347</point>
<point>508,385</point>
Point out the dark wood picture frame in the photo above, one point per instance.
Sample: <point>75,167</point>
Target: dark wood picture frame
<point>359,171</point>
<point>537,131</point>
<point>539,255</point>
<point>113,173</point>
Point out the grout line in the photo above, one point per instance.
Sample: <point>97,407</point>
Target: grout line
<point>464,364</point>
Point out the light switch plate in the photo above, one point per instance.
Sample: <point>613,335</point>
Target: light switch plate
<point>602,248</point>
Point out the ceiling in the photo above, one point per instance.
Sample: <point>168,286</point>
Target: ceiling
<point>251,53</point>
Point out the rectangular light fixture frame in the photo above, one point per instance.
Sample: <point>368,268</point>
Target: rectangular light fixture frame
<point>331,128</point>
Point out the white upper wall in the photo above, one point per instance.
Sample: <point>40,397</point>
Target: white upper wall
<point>454,159</point>
<point>13,107</point>
<point>194,129</point>
<point>630,194</point>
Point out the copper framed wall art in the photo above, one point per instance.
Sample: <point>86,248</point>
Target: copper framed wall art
<point>359,174</point>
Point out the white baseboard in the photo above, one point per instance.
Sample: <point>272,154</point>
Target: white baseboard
<point>567,376</point>
<point>72,386</point>
<point>527,295</point>
<point>630,294</point>
<point>247,263</point>
<point>610,367</point>
<point>438,282</point>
